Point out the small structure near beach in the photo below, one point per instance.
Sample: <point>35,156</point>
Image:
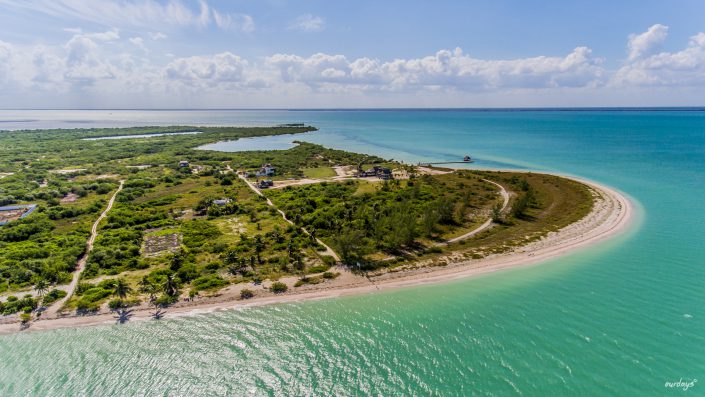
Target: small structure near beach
<point>266,170</point>
<point>265,183</point>
<point>379,172</point>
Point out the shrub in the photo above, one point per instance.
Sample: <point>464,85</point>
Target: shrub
<point>434,250</point>
<point>209,282</point>
<point>278,287</point>
<point>123,303</point>
<point>165,300</point>
<point>85,305</point>
<point>53,296</point>
<point>116,304</point>
<point>246,294</point>
<point>318,269</point>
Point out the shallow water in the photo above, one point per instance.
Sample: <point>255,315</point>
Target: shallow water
<point>273,142</point>
<point>622,318</point>
<point>140,136</point>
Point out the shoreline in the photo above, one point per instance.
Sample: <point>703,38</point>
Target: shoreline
<point>611,215</point>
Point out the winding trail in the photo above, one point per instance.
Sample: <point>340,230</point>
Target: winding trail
<point>329,251</point>
<point>611,215</point>
<point>488,223</point>
<point>81,265</point>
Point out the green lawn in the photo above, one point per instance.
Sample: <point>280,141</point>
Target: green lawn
<point>319,172</point>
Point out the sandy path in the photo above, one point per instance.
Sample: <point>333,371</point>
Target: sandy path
<point>611,215</point>
<point>81,265</point>
<point>328,250</point>
<point>488,223</point>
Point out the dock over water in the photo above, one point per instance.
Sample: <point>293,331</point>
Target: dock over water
<point>445,162</point>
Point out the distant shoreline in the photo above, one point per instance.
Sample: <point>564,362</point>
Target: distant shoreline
<point>611,215</point>
<point>413,109</point>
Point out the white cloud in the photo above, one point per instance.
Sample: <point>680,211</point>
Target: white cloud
<point>223,68</point>
<point>143,14</point>
<point>84,64</point>
<point>157,36</point>
<point>234,21</point>
<point>110,35</point>
<point>109,68</point>
<point>684,68</point>
<point>247,24</point>
<point>308,23</point>
<point>647,43</point>
<point>139,43</point>
<point>450,69</point>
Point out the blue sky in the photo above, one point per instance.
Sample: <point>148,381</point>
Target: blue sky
<point>299,53</point>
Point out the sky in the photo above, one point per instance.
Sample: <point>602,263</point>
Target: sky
<point>209,54</point>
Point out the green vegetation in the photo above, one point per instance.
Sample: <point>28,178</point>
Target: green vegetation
<point>13,305</point>
<point>53,296</point>
<point>396,217</point>
<point>278,287</point>
<point>167,207</point>
<point>246,293</point>
<point>402,222</point>
<point>193,229</point>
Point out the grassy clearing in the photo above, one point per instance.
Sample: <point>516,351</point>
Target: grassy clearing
<point>319,172</point>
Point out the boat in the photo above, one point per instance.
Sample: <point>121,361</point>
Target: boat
<point>467,159</point>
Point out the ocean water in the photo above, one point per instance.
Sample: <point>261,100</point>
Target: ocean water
<point>623,318</point>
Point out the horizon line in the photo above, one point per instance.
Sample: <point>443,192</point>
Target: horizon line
<point>541,108</point>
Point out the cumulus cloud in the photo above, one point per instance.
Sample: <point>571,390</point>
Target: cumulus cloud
<point>84,65</point>
<point>308,23</point>
<point>111,68</point>
<point>450,69</point>
<point>647,43</point>
<point>207,70</point>
<point>653,68</point>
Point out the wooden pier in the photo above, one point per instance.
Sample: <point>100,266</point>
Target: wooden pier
<point>445,162</point>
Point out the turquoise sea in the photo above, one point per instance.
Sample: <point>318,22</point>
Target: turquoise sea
<point>623,318</point>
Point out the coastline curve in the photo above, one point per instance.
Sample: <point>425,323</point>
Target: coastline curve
<point>612,215</point>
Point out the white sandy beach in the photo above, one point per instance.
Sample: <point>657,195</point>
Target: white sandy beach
<point>611,215</point>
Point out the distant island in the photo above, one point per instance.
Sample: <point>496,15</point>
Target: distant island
<point>106,225</point>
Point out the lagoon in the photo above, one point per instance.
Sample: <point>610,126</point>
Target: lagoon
<point>271,142</point>
<point>101,138</point>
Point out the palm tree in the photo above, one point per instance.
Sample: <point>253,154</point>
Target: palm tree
<point>122,289</point>
<point>41,287</point>
<point>147,287</point>
<point>259,247</point>
<point>170,286</point>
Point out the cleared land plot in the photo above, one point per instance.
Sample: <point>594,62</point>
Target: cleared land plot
<point>161,242</point>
